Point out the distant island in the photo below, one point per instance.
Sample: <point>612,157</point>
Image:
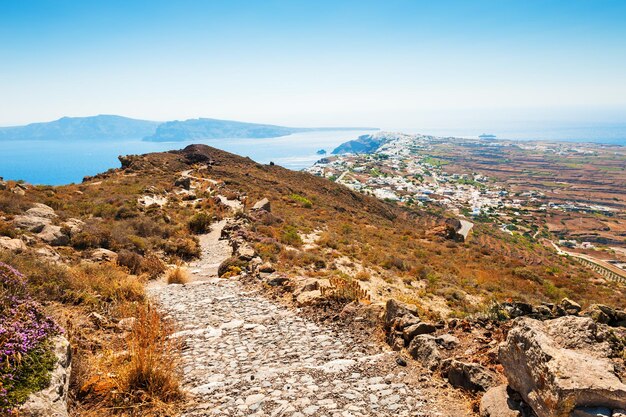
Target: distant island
<point>485,136</point>
<point>101,127</point>
<point>113,127</point>
<point>321,152</point>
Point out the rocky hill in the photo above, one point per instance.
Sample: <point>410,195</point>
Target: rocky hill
<point>274,291</point>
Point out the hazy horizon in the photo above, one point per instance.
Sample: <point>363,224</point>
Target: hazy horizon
<point>386,64</point>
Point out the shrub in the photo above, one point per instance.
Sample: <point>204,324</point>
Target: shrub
<point>7,229</point>
<point>177,275</point>
<point>26,359</point>
<point>290,236</point>
<point>303,201</point>
<point>200,223</point>
<point>153,266</point>
<point>150,374</point>
<point>231,267</point>
<point>130,260</point>
<point>184,248</point>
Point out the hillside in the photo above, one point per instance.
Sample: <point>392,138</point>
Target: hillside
<point>256,240</point>
<point>199,129</point>
<point>101,127</point>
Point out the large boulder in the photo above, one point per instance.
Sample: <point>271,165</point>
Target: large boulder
<point>52,401</point>
<point>53,235</point>
<point>263,204</point>
<point>470,376</point>
<point>13,245</point>
<point>41,210</point>
<point>498,403</point>
<point>558,365</point>
<point>33,224</point>
<point>395,310</point>
<point>423,348</point>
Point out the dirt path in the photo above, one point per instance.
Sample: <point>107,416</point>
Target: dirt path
<point>245,355</point>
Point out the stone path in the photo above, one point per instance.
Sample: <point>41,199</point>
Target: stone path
<point>244,355</point>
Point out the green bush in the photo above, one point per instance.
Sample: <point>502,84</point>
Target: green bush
<point>200,223</point>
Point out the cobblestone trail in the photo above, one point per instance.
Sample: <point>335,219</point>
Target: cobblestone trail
<point>244,355</point>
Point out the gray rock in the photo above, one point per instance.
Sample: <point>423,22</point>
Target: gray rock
<point>245,252</point>
<point>52,401</point>
<point>13,245</point>
<point>396,309</point>
<point>557,365</point>
<point>470,376</point>
<point>496,403</point>
<point>423,348</point>
<point>41,210</point>
<point>75,225</point>
<point>53,235</point>
<point>103,255</point>
<point>126,324</point>
<point>263,204</point>
<point>447,341</point>
<point>570,307</point>
<point>409,332</point>
<point>183,182</point>
<point>33,224</point>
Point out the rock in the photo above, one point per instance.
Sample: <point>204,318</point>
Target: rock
<point>41,210</point>
<point>497,403</point>
<point>400,361</point>
<point>126,324</point>
<point>396,309</point>
<point>570,307</point>
<point>183,182</point>
<point>591,412</point>
<point>518,309</point>
<point>619,413</point>
<point>245,252</point>
<point>447,341</point>
<point>423,348</point>
<point>559,364</point>
<point>310,284</point>
<point>52,401</point>
<point>53,235</point>
<point>469,376</point>
<point>275,280</point>
<point>267,268</point>
<point>33,224</point>
<point>13,245</point>
<point>263,204</point>
<point>308,297</point>
<point>74,225</point>
<point>408,333</point>
<point>98,319</point>
<point>103,255</point>
<point>48,253</point>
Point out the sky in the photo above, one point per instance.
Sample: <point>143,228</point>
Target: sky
<point>387,63</point>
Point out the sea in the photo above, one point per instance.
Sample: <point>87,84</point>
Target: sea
<point>64,162</point>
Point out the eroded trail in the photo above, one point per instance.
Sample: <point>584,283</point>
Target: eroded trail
<point>245,355</point>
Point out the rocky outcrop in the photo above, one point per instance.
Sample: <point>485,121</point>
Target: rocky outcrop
<point>498,402</point>
<point>562,364</point>
<point>30,223</point>
<point>52,401</point>
<point>263,204</point>
<point>54,236</point>
<point>423,348</point>
<point>103,255</point>
<point>469,376</point>
<point>13,245</point>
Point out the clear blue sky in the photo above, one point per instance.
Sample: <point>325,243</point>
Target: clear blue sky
<point>383,63</point>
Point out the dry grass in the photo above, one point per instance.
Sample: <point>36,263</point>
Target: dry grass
<point>136,377</point>
<point>177,275</point>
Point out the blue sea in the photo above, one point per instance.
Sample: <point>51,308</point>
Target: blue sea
<point>55,163</point>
